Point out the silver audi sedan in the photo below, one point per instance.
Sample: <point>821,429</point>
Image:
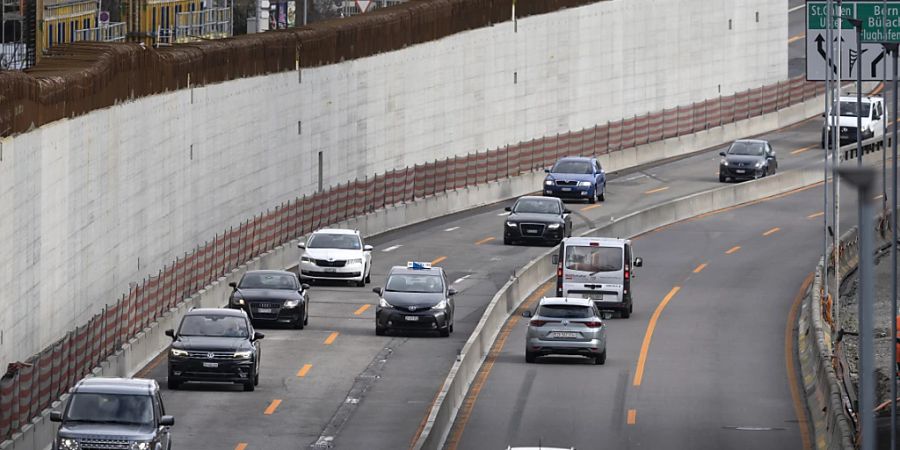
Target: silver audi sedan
<point>565,326</point>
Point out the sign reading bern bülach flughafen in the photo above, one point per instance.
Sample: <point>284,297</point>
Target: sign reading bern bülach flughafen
<point>880,23</point>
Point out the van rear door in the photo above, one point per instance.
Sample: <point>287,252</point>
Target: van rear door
<point>594,271</point>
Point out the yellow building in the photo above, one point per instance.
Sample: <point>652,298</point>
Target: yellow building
<point>60,20</point>
<point>154,20</point>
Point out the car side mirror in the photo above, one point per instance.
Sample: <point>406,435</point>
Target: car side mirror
<point>546,170</point>
<point>638,262</point>
<point>233,285</point>
<point>170,333</point>
<point>554,258</point>
<point>567,211</point>
<point>526,313</point>
<point>257,335</point>
<point>508,208</point>
<point>451,292</point>
<point>367,248</point>
<point>301,245</point>
<point>167,421</point>
<point>55,416</point>
<point>304,286</point>
<point>721,153</point>
<point>378,290</point>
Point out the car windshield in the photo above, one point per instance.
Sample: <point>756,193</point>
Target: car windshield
<point>539,206</point>
<point>334,240</point>
<point>848,109</point>
<point>576,167</point>
<point>747,148</point>
<point>415,283</point>
<point>214,326</point>
<point>268,281</point>
<point>566,311</point>
<point>110,408</point>
<point>594,259</point>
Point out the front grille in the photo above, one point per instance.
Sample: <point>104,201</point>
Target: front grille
<point>566,183</point>
<point>215,355</point>
<point>104,444</point>
<point>327,263</point>
<point>313,273</point>
<point>531,229</point>
<point>265,305</point>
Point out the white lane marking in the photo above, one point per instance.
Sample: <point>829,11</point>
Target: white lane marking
<point>452,229</point>
<point>505,213</point>
<point>461,279</point>
<point>636,177</point>
<point>392,248</point>
<point>797,8</point>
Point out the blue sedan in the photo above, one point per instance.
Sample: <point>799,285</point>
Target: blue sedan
<point>576,178</point>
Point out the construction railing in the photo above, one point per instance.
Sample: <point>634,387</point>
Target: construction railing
<point>29,388</point>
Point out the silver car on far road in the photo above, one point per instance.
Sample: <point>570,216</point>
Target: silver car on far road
<point>565,326</point>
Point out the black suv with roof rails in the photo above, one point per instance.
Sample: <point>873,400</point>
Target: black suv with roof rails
<point>113,413</point>
<point>214,344</point>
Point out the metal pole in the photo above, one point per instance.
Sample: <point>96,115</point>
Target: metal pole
<point>893,368</point>
<point>305,8</point>
<point>826,137</point>
<point>836,158</point>
<point>857,24</point>
<point>862,178</point>
<point>884,80</point>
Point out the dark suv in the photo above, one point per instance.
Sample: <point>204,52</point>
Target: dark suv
<point>113,413</point>
<point>214,344</point>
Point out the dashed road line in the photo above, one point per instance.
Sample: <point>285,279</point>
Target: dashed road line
<point>797,8</point>
<point>814,215</point>
<point>700,268</point>
<point>392,248</point>
<point>452,229</point>
<point>361,309</point>
<point>304,370</point>
<point>653,191</point>
<point>590,207</point>
<point>485,240</point>
<point>772,231</point>
<point>796,38</point>
<point>733,249</point>
<point>803,149</point>
<point>241,446</point>
<point>462,278</point>
<point>632,416</point>
<point>438,260</point>
<point>272,407</point>
<point>332,337</point>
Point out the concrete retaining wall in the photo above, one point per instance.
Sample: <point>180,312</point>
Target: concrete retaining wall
<point>95,202</point>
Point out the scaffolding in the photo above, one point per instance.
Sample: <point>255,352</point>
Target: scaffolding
<point>211,23</point>
<point>14,54</point>
<point>107,32</point>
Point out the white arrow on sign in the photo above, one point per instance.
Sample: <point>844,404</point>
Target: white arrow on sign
<point>363,5</point>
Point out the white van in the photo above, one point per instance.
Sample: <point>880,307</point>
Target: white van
<point>873,117</point>
<point>599,269</point>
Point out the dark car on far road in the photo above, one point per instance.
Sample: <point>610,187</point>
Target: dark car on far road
<point>537,219</point>
<point>747,159</point>
<point>273,296</point>
<point>576,177</point>
<point>101,413</point>
<point>214,344</point>
<point>415,297</point>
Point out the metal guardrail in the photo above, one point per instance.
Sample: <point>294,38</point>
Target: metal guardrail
<point>112,32</point>
<point>211,23</point>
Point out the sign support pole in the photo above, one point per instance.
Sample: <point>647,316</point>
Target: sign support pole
<point>893,368</point>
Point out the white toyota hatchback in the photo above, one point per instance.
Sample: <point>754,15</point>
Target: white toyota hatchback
<point>335,254</point>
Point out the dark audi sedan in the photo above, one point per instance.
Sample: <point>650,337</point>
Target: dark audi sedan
<point>747,159</point>
<point>273,296</point>
<point>537,219</point>
<point>214,344</point>
<point>416,297</point>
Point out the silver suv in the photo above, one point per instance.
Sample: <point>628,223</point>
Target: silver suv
<point>565,326</point>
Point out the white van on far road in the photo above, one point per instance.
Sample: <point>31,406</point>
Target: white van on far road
<point>597,268</point>
<point>873,117</point>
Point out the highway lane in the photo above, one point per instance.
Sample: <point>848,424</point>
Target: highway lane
<point>796,38</point>
<point>714,375</point>
<point>357,394</point>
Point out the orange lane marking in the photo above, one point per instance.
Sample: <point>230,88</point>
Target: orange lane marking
<point>700,268</point>
<point>772,231</point>
<point>272,407</point>
<point>241,446</point>
<point>588,208</point>
<point>653,191</point>
<point>795,38</point>
<point>438,260</point>
<point>803,149</point>
<point>361,309</point>
<point>304,370</point>
<point>799,403</point>
<point>331,338</point>
<point>487,239</point>
<point>814,215</point>
<point>632,417</point>
<point>648,336</point>
<point>733,249</point>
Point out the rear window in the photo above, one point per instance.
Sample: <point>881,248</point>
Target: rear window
<point>594,259</point>
<point>566,311</point>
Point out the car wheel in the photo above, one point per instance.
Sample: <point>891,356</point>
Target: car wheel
<point>722,178</point>
<point>173,383</point>
<point>368,277</point>
<point>445,332</point>
<point>451,326</point>
<point>300,320</point>
<point>249,386</point>
<point>601,358</point>
<point>602,196</point>
<point>306,315</point>
<point>256,379</point>
<point>626,313</point>
<point>507,241</point>
<point>592,199</point>
<point>379,331</point>
<point>530,357</point>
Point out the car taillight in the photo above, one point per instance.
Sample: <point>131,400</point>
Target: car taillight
<point>593,324</point>
<point>627,273</point>
<point>538,323</point>
<point>559,272</point>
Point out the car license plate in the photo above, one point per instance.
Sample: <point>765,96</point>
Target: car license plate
<point>592,296</point>
<point>531,231</point>
<point>566,189</point>
<point>210,365</point>
<point>563,335</point>
<point>264,310</point>
<point>412,318</point>
<point>740,171</point>
<point>329,269</point>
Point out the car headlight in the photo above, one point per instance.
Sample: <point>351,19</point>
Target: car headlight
<point>140,446</point>
<point>68,444</point>
<point>759,164</point>
<point>238,301</point>
<point>511,224</point>
<point>384,304</point>
<point>441,305</point>
<point>243,355</point>
<point>354,261</point>
<point>584,184</point>
<point>291,303</point>
<point>724,163</point>
<point>306,259</point>
<point>553,226</point>
<point>548,182</point>
<point>177,352</point>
